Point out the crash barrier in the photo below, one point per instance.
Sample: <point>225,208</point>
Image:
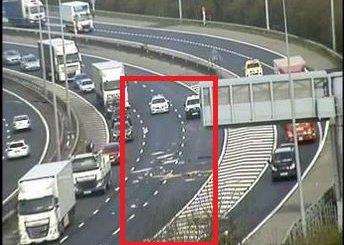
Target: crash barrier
<point>274,227</point>
<point>304,42</point>
<point>246,150</point>
<point>320,215</point>
<point>137,47</point>
<point>68,130</point>
<point>86,118</point>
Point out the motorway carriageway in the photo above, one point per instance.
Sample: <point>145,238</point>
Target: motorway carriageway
<point>172,148</point>
<point>15,168</point>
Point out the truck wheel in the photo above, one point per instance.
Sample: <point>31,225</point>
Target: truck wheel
<point>66,221</point>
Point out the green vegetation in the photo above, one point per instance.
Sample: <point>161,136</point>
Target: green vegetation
<point>306,18</point>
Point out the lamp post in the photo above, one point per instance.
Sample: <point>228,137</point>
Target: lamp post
<point>297,156</point>
<point>65,67</point>
<point>180,9</point>
<point>57,131</point>
<point>333,26</point>
<point>42,60</point>
<point>267,15</point>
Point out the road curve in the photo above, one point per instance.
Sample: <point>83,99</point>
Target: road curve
<point>13,169</point>
<point>144,184</point>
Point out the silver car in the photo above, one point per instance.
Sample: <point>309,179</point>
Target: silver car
<point>11,57</point>
<point>29,62</point>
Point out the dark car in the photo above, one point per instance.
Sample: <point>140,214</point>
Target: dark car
<point>283,164</point>
<point>128,131</point>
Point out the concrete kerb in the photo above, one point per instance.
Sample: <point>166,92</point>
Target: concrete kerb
<point>15,192</point>
<point>232,26</point>
<point>141,47</point>
<point>46,131</point>
<point>292,191</point>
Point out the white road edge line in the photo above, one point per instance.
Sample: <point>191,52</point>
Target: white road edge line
<point>46,142</point>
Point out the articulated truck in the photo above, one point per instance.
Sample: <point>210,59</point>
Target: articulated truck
<point>46,202</point>
<point>24,13</point>
<point>73,58</point>
<point>106,76</point>
<point>76,16</point>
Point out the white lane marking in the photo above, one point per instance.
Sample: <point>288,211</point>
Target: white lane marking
<point>8,136</point>
<point>81,224</point>
<point>157,153</point>
<point>6,124</point>
<point>183,130</point>
<point>142,170</point>
<point>164,182</point>
<point>182,144</point>
<point>155,193</point>
<point>181,122</point>
<point>141,151</point>
<point>132,169</point>
<point>7,130</point>
<point>180,153</point>
<point>144,85</point>
<point>134,110</point>
<point>137,159</point>
<point>133,205</point>
<point>165,156</point>
<point>63,239</point>
<point>117,189</point>
<point>145,204</point>
<point>138,115</point>
<point>184,137</point>
<point>141,121</point>
<point>126,179</point>
<point>143,143</point>
<point>131,217</point>
<point>115,232</point>
<point>151,174</point>
<point>152,90</point>
<point>108,199</point>
<point>135,181</point>
<point>95,211</point>
<point>144,136</point>
<point>145,130</point>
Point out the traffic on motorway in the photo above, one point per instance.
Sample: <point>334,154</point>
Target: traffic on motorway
<point>168,151</point>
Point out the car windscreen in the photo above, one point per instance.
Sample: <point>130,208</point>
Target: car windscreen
<point>252,65</point>
<point>38,205</point>
<point>193,102</point>
<point>34,10</point>
<point>283,157</point>
<point>16,145</point>
<point>30,58</point>
<point>157,101</point>
<point>20,118</point>
<point>11,52</point>
<point>84,164</point>
<point>87,82</point>
<point>111,85</point>
<point>70,58</point>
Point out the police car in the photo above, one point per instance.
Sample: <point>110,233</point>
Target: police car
<point>159,104</point>
<point>192,107</point>
<point>16,149</point>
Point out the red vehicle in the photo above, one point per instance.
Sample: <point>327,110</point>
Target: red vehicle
<point>111,149</point>
<point>306,131</point>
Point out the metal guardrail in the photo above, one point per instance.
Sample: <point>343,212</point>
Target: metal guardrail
<point>28,81</point>
<point>138,47</point>
<point>231,26</point>
<point>320,214</point>
<point>84,114</point>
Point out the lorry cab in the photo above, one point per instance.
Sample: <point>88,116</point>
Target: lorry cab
<point>25,13</point>
<point>91,173</point>
<point>253,67</point>
<point>46,202</point>
<point>282,163</point>
<point>77,15</point>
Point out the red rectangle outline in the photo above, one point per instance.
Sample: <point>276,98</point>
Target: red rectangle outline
<point>122,172</point>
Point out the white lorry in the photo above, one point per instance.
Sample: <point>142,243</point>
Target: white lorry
<point>24,13</point>
<point>76,16</point>
<point>46,202</point>
<point>73,58</point>
<point>106,76</point>
<point>297,64</point>
<point>91,173</point>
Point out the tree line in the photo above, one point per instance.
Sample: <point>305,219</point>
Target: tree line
<point>306,18</point>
